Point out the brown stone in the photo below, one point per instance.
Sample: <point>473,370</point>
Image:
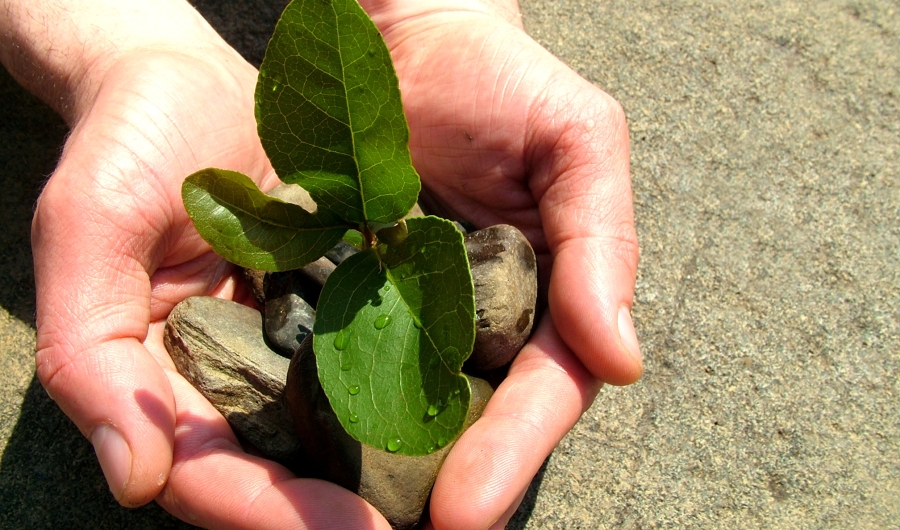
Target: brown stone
<point>504,270</point>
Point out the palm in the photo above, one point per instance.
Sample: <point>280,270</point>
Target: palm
<point>467,111</point>
<point>131,151</point>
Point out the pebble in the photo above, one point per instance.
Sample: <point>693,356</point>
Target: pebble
<point>504,270</point>
<point>218,346</point>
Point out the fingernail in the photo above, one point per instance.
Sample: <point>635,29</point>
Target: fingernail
<point>114,456</point>
<point>627,333</point>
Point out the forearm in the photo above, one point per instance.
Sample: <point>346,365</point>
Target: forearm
<point>60,50</point>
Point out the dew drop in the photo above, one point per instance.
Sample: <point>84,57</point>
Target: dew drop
<point>442,441</point>
<point>387,287</point>
<point>275,86</point>
<point>393,445</point>
<point>346,366</point>
<point>354,418</point>
<point>353,390</point>
<point>382,321</point>
<point>341,340</point>
<point>432,448</point>
<point>433,410</point>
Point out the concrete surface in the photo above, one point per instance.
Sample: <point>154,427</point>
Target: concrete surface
<point>765,149</point>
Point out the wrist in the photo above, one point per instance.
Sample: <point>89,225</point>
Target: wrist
<point>61,51</point>
<point>387,12</point>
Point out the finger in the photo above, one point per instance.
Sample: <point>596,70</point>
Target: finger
<point>214,484</point>
<point>494,461</point>
<point>91,320</point>
<point>579,149</point>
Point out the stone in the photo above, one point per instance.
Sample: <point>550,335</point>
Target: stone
<point>397,485</point>
<point>293,194</point>
<point>340,252</point>
<point>218,346</point>
<point>254,279</point>
<point>504,270</point>
<point>289,317</point>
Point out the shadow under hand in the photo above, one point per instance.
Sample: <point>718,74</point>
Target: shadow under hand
<point>49,477</point>
<point>520,519</point>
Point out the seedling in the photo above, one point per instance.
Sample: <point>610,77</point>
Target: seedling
<point>396,321</point>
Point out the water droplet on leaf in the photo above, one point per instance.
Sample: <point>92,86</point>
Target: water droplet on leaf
<point>433,410</point>
<point>346,366</point>
<point>341,340</point>
<point>442,441</point>
<point>382,321</point>
<point>353,390</point>
<point>354,418</point>
<point>394,445</point>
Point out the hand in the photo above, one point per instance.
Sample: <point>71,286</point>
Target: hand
<point>502,132</point>
<point>114,251</point>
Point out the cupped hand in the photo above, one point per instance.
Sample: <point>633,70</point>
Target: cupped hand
<point>503,132</point>
<point>500,132</point>
<point>114,251</point>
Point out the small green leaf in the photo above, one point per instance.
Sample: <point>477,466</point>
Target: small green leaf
<point>394,235</point>
<point>330,116</point>
<point>354,238</point>
<point>391,337</point>
<point>251,229</point>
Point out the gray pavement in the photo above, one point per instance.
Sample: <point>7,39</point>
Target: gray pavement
<point>766,169</point>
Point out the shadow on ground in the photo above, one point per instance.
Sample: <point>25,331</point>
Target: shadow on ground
<point>49,477</point>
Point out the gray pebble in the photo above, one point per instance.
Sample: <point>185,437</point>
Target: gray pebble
<point>340,252</point>
<point>218,346</point>
<point>289,318</point>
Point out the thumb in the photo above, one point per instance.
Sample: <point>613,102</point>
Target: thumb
<point>580,150</point>
<point>93,312</point>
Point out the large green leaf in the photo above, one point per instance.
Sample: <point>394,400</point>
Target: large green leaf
<point>391,336</point>
<point>247,227</point>
<point>330,116</point>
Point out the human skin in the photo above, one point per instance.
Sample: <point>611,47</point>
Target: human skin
<point>501,132</point>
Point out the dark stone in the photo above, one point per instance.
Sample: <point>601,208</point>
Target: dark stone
<point>218,346</point>
<point>289,317</point>
<point>504,269</point>
<point>254,279</point>
<point>340,252</point>
<point>397,485</point>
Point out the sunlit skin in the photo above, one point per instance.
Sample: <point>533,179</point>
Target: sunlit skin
<point>501,132</point>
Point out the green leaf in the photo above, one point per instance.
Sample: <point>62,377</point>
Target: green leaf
<point>391,337</point>
<point>330,116</point>
<point>251,229</point>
